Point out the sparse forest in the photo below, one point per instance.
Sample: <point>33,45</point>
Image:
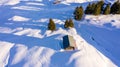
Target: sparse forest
<point>92,9</point>
<point>96,9</point>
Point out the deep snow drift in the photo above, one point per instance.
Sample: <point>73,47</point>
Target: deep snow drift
<point>26,42</point>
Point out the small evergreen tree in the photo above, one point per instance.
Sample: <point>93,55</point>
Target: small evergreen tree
<point>66,25</point>
<point>97,10</point>
<point>115,8</point>
<point>51,25</point>
<point>101,3</point>
<point>118,8</point>
<point>90,8</point>
<point>107,10</point>
<point>78,13</point>
<point>71,24</point>
<point>93,8</point>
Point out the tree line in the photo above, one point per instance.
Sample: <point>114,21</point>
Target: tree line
<point>97,9</point>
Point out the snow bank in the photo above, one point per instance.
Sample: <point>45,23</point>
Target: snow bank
<point>27,8</point>
<point>9,30</point>
<point>101,20</point>
<point>19,18</point>
<point>5,30</point>
<point>35,56</point>
<point>30,32</point>
<point>40,57</point>
<point>22,31</point>
<point>37,47</point>
<point>5,52</point>
<point>9,2</point>
<point>12,2</point>
<point>20,53</point>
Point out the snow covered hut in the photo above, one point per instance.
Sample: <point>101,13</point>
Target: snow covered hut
<point>69,43</point>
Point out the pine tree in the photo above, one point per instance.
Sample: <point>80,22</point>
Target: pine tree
<point>97,10</point>
<point>66,25</point>
<point>71,24</point>
<point>118,8</point>
<point>93,8</point>
<point>88,9</point>
<point>51,25</point>
<point>76,9</point>
<point>115,8</point>
<point>107,10</point>
<point>101,3</point>
<point>78,13</point>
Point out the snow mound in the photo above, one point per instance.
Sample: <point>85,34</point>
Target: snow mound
<point>5,52</point>
<point>5,30</point>
<point>30,44</point>
<point>30,32</point>
<point>20,53</point>
<point>9,2</point>
<point>30,8</point>
<point>101,20</point>
<point>19,18</point>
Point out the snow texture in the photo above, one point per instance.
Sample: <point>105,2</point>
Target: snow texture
<point>19,18</point>
<point>25,40</point>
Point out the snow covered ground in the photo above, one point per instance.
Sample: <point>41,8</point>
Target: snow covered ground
<point>26,42</point>
<point>14,2</point>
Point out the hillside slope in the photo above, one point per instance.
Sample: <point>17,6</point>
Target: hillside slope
<point>13,2</point>
<point>26,42</point>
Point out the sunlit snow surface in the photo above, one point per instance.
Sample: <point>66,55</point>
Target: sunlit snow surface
<point>26,42</point>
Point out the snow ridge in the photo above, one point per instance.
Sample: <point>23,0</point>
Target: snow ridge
<point>25,40</point>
